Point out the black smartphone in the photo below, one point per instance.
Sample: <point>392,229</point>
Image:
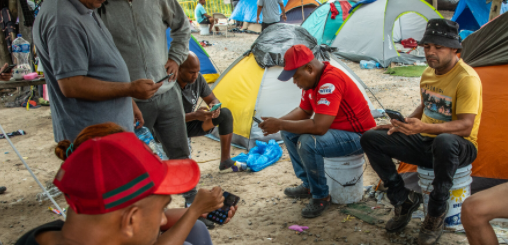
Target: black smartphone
<point>220,215</point>
<point>395,115</point>
<point>257,120</point>
<point>8,69</point>
<point>164,78</point>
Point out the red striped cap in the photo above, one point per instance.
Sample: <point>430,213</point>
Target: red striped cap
<point>113,172</point>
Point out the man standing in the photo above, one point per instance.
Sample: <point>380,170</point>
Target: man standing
<point>202,121</point>
<point>332,116</point>
<point>139,31</point>
<point>201,16</point>
<point>87,78</point>
<point>270,9</point>
<point>440,134</point>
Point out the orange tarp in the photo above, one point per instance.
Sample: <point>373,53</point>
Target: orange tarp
<point>298,3</point>
<point>492,160</point>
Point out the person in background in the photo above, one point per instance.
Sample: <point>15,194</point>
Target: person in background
<point>440,134</point>
<point>88,80</point>
<point>270,9</point>
<point>201,16</point>
<point>201,122</point>
<point>332,116</point>
<point>479,209</point>
<point>118,192</point>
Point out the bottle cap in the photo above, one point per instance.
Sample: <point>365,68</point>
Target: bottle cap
<point>19,35</point>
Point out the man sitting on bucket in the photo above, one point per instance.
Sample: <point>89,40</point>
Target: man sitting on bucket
<point>341,115</point>
<point>440,134</point>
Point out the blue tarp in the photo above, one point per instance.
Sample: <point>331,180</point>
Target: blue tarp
<point>247,10</point>
<point>206,64</point>
<point>473,14</point>
<point>361,2</point>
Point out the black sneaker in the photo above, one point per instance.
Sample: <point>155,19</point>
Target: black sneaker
<point>315,208</point>
<point>404,212</point>
<point>2,189</point>
<point>297,192</point>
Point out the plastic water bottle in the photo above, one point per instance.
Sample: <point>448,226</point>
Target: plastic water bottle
<point>21,52</point>
<point>364,64</point>
<point>146,136</point>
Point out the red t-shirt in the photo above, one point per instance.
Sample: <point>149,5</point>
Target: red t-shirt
<point>337,95</point>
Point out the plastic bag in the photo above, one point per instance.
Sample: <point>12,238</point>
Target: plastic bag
<point>261,156</point>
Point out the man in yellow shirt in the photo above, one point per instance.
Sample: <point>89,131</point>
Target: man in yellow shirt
<point>440,134</point>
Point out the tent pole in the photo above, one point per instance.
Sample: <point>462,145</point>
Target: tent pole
<point>434,3</point>
<point>495,9</point>
<point>303,15</point>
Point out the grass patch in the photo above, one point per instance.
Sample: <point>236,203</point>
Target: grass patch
<point>406,71</point>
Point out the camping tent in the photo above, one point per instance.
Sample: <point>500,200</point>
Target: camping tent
<point>246,11</point>
<point>208,70</point>
<point>320,23</point>
<point>487,51</point>
<point>370,30</point>
<point>293,10</point>
<point>472,14</point>
<point>249,87</point>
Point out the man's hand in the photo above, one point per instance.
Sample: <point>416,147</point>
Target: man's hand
<point>270,125</point>
<point>284,17</point>
<point>202,114</point>
<point>215,113</point>
<point>412,126</point>
<point>144,89</point>
<point>231,213</point>
<point>5,76</point>
<point>257,19</point>
<point>138,116</point>
<point>171,67</point>
<point>207,201</point>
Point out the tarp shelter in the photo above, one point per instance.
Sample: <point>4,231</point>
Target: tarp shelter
<point>371,30</point>
<point>473,14</point>
<point>486,51</point>
<point>249,86</point>
<point>322,26</point>
<point>293,10</point>
<point>246,11</point>
<point>208,69</point>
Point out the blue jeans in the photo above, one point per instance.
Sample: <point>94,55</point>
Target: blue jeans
<point>307,152</point>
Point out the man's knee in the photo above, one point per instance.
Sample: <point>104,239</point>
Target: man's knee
<point>307,143</point>
<point>474,209</point>
<point>226,113</point>
<point>445,143</point>
<point>370,136</point>
<point>224,121</point>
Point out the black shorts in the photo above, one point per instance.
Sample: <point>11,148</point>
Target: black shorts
<point>195,128</point>
<point>266,25</point>
<point>205,21</point>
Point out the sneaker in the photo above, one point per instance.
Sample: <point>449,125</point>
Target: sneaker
<point>432,229</point>
<point>2,189</point>
<point>297,192</point>
<point>315,208</point>
<point>404,212</point>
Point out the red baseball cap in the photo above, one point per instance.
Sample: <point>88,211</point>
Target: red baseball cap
<point>296,57</point>
<point>109,173</point>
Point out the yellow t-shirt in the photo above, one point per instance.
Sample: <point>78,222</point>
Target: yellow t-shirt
<point>457,92</point>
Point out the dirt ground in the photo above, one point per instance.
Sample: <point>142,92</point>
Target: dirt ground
<point>264,213</point>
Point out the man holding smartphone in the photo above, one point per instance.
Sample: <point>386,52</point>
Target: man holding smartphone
<point>331,117</point>
<point>440,134</point>
<point>202,121</point>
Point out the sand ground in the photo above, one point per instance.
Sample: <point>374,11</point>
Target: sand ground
<point>264,212</point>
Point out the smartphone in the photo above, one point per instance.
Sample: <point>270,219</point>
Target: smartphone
<point>164,78</point>
<point>8,69</point>
<point>257,120</point>
<point>220,215</point>
<point>395,115</point>
<point>215,107</point>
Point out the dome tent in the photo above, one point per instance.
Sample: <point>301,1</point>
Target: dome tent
<point>293,10</point>
<point>249,86</point>
<point>367,34</point>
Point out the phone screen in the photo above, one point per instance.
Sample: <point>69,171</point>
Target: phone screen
<point>395,115</point>
<point>220,215</point>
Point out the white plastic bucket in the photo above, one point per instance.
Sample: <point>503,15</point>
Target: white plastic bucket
<point>344,177</point>
<point>460,190</point>
<point>204,29</point>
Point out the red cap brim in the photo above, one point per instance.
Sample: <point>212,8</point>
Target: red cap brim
<point>182,176</point>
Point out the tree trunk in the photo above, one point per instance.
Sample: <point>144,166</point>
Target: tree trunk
<point>495,9</point>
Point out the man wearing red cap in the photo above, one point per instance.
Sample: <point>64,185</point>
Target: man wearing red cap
<point>118,191</point>
<point>332,116</point>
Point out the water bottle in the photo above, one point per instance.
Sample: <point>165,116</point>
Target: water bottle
<point>146,136</point>
<point>364,64</point>
<point>21,52</point>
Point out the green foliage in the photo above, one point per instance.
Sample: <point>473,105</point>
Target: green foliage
<point>212,6</point>
<point>406,71</point>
